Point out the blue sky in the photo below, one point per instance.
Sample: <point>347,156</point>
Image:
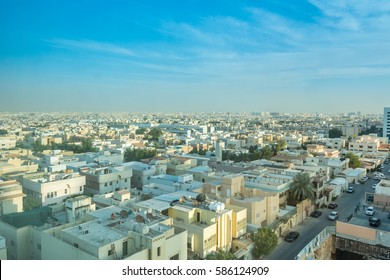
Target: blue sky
<point>195,56</point>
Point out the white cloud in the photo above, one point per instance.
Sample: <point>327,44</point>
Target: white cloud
<point>89,45</point>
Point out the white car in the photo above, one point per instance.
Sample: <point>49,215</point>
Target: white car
<point>370,211</point>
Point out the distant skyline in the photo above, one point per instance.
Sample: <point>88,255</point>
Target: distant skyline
<point>195,56</point>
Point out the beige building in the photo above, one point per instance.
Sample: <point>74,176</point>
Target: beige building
<point>3,248</point>
<point>17,165</point>
<point>116,233</point>
<point>7,143</point>
<point>11,197</point>
<point>103,180</point>
<point>365,143</point>
<point>210,225</point>
<point>54,188</point>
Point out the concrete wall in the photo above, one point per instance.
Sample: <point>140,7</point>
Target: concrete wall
<point>356,231</point>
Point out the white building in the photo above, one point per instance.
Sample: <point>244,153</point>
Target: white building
<point>11,197</point>
<point>54,188</point>
<point>116,233</point>
<point>76,208</point>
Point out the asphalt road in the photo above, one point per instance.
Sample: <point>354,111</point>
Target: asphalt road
<point>311,227</point>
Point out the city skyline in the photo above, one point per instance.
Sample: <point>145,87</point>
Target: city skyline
<point>195,56</point>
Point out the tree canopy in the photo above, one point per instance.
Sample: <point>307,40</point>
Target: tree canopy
<point>335,133</point>
<point>138,154</point>
<point>354,161</point>
<point>221,255</point>
<point>302,188</point>
<point>154,134</point>
<point>265,240</point>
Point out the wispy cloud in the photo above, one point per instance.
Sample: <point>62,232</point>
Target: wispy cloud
<point>94,46</point>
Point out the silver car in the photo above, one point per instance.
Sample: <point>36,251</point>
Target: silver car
<point>333,216</point>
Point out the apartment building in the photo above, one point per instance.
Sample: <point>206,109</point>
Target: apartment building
<point>382,195</point>
<point>142,172</point>
<point>165,184</point>
<point>7,143</point>
<point>365,143</point>
<point>106,179</point>
<point>54,188</point>
<point>77,207</point>
<point>3,248</point>
<point>22,232</point>
<point>210,225</point>
<point>104,157</point>
<point>335,143</point>
<point>116,233</point>
<point>17,165</point>
<point>121,198</point>
<point>11,197</point>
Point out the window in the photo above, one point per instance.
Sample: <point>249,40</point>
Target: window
<point>110,183</point>
<point>109,253</point>
<point>81,188</point>
<point>105,184</point>
<point>158,251</point>
<point>39,246</point>
<point>66,191</point>
<point>12,243</point>
<point>125,180</point>
<point>76,245</point>
<point>55,194</point>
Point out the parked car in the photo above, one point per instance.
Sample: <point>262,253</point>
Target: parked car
<point>370,210</point>
<point>350,189</point>
<point>363,179</point>
<point>316,214</point>
<point>374,222</point>
<point>292,236</point>
<point>333,216</point>
<point>332,205</point>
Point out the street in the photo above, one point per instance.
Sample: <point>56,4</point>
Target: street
<point>311,227</point>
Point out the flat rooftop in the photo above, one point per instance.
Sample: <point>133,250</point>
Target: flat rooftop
<point>111,225</point>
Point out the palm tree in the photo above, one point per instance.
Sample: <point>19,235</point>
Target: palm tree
<point>302,188</point>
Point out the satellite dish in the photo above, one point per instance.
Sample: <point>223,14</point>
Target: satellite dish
<point>201,197</point>
<point>140,219</point>
<point>150,216</point>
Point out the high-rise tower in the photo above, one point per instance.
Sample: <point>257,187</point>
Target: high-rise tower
<point>386,123</point>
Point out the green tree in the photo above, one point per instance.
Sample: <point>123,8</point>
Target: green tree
<point>302,188</point>
<point>266,152</point>
<point>354,161</point>
<point>3,132</point>
<point>154,134</point>
<point>30,202</point>
<point>335,133</point>
<point>280,145</point>
<point>37,147</point>
<point>221,255</point>
<point>138,154</point>
<point>265,240</point>
<point>140,131</point>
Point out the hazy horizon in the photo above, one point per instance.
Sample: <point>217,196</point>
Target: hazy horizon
<point>195,56</point>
